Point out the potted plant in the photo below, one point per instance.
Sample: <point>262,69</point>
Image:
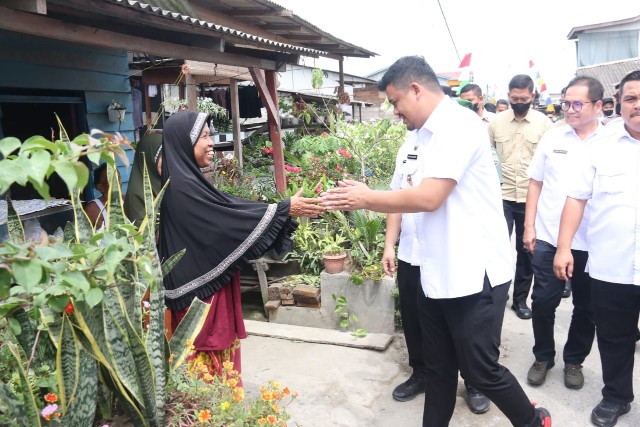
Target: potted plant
<point>333,254</point>
<point>116,112</point>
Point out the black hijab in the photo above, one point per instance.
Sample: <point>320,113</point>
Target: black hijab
<point>220,232</point>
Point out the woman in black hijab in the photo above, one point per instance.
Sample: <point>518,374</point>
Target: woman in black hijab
<point>220,232</point>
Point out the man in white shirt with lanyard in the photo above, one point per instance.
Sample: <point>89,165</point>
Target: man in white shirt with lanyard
<point>609,176</point>
<point>464,246</point>
<point>550,171</point>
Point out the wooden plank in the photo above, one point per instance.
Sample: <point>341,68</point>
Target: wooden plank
<point>235,121</point>
<point>272,305</point>
<point>22,22</point>
<point>308,304</point>
<point>372,341</point>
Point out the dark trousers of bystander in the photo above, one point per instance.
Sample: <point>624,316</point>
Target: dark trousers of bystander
<point>514,214</point>
<point>455,338</point>
<point>616,307</point>
<point>408,288</point>
<point>545,298</point>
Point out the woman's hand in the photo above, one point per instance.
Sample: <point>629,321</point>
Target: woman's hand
<point>305,206</point>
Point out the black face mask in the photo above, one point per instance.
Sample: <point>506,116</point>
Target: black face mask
<point>607,113</point>
<point>520,108</point>
<point>474,107</point>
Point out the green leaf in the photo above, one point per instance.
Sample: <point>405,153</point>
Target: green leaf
<point>38,142</point>
<point>8,145</point>
<point>14,224</point>
<point>67,172</point>
<point>14,325</point>
<point>28,274</point>
<point>168,265</point>
<point>67,363</point>
<point>12,403</point>
<point>187,330</point>
<point>76,280</point>
<point>93,297</point>
<point>31,412</point>
<point>38,166</point>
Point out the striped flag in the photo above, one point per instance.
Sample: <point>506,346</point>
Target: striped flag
<point>541,86</point>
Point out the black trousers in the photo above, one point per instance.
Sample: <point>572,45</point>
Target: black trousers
<point>545,298</point>
<point>514,214</point>
<point>615,308</point>
<point>408,287</point>
<point>455,338</point>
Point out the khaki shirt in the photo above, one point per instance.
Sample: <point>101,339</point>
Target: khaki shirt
<point>515,142</point>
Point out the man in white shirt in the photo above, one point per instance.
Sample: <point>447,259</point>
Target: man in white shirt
<point>464,247</point>
<point>549,172</point>
<point>408,268</point>
<point>609,176</point>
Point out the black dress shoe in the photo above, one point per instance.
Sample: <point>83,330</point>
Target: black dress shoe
<point>477,402</point>
<point>409,389</point>
<point>521,309</point>
<point>606,413</point>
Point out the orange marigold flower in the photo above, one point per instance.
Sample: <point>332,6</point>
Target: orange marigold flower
<point>286,391</point>
<point>267,396</point>
<point>232,382</point>
<point>224,405</point>
<point>51,397</point>
<point>271,419</point>
<point>263,389</point>
<point>208,378</point>
<point>275,384</point>
<point>262,420</point>
<point>275,408</point>
<point>238,394</point>
<point>204,415</point>
<point>228,365</point>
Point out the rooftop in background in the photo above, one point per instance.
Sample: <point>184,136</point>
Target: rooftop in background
<point>575,31</point>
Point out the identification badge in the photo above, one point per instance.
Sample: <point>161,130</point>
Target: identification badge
<point>560,151</point>
<point>412,156</point>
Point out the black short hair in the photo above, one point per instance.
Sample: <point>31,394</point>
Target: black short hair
<point>471,87</point>
<point>447,90</point>
<point>632,76</point>
<point>410,69</point>
<point>521,81</point>
<point>608,101</point>
<point>490,107</point>
<point>596,90</point>
<point>97,173</point>
<point>502,102</point>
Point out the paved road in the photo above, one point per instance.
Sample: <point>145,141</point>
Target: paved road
<point>341,386</point>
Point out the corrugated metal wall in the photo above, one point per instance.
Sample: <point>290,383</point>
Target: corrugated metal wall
<point>29,62</point>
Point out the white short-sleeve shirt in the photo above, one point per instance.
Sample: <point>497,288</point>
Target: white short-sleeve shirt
<point>406,175</point>
<point>467,235</point>
<point>552,164</point>
<point>609,176</point>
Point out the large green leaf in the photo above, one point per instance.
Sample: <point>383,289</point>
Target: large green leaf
<point>115,210</point>
<point>155,342</point>
<point>12,403</point>
<point>27,274</point>
<point>67,363</point>
<point>83,228</point>
<point>187,330</point>
<point>31,412</point>
<point>8,145</point>
<point>168,265</point>
<point>81,410</point>
<point>38,166</point>
<point>14,225</point>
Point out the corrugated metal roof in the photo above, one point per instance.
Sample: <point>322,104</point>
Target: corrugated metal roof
<point>610,73</point>
<point>159,11</point>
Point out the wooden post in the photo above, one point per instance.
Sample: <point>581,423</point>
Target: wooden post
<point>341,72</point>
<point>235,123</point>
<point>192,97</point>
<point>266,84</point>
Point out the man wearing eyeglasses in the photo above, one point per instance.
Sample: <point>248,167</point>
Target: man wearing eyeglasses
<point>515,133</point>
<point>550,172</point>
<point>607,177</point>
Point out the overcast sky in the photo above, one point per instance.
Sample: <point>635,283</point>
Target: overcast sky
<point>502,35</point>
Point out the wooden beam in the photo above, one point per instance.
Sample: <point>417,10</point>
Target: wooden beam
<point>281,27</point>
<point>34,6</point>
<point>304,37</point>
<point>27,23</point>
<point>235,113</point>
<point>192,94</point>
<point>266,84</point>
<point>259,12</point>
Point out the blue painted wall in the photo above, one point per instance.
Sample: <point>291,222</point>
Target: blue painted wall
<point>101,74</point>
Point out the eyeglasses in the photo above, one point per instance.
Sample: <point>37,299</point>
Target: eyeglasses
<point>577,105</point>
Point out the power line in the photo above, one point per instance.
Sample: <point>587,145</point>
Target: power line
<point>449,30</point>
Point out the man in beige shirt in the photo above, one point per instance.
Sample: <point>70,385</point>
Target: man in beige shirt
<point>515,134</point>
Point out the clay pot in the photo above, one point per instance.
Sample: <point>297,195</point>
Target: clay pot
<point>334,263</point>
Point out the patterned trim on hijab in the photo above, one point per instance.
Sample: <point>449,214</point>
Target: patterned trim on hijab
<point>155,158</point>
<point>224,265</point>
<point>197,127</point>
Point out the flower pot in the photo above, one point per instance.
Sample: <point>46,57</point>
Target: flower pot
<point>116,116</point>
<point>334,264</point>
